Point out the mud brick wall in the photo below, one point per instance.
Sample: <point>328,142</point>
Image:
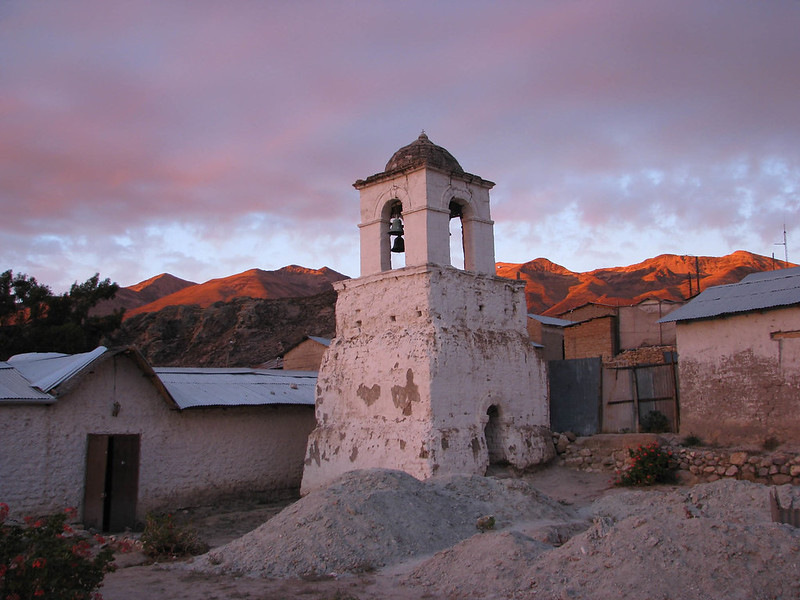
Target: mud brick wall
<point>591,338</point>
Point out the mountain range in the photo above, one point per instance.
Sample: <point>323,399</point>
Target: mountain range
<point>251,317</point>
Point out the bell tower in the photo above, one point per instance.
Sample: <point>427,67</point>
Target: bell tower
<point>431,370</point>
<point>425,187</point>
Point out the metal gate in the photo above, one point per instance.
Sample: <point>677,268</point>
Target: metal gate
<point>575,391</point>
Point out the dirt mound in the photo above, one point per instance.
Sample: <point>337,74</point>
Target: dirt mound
<point>706,542</point>
<point>713,541</point>
<point>374,518</point>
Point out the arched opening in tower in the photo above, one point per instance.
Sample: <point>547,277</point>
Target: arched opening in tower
<point>494,438</point>
<point>397,248</point>
<point>456,235</point>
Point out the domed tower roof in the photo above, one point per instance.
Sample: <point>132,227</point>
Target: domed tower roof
<point>422,151</point>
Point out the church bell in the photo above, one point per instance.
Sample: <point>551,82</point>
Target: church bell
<point>396,227</point>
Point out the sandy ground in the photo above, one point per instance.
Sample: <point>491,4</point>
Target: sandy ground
<point>560,534</point>
<point>158,581</point>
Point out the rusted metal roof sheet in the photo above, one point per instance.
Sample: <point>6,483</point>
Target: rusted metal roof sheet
<point>551,320</point>
<point>15,389</point>
<point>46,370</point>
<point>192,388</point>
<point>757,291</point>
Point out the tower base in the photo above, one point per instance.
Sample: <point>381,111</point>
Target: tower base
<point>431,372</point>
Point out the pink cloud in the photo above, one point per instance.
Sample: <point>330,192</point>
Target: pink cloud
<point>121,117</point>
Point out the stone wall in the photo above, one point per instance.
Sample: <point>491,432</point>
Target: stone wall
<point>697,464</point>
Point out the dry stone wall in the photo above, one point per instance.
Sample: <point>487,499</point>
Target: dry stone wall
<point>697,464</point>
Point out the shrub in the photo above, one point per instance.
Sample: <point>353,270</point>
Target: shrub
<point>46,558</point>
<point>649,465</point>
<point>654,422</point>
<point>163,537</point>
<point>692,440</point>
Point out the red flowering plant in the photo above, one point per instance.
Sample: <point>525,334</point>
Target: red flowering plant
<point>650,464</point>
<point>45,558</point>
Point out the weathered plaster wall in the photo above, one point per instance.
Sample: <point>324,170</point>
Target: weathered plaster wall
<point>638,325</point>
<point>740,377</point>
<point>549,336</point>
<point>186,457</point>
<point>419,356</point>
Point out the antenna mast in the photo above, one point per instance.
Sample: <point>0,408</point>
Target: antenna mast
<point>785,247</point>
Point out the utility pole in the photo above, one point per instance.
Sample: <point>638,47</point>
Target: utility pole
<point>697,270</point>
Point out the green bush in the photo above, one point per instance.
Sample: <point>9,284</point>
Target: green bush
<point>692,440</point>
<point>654,422</point>
<point>649,465</point>
<point>163,537</point>
<point>45,558</point>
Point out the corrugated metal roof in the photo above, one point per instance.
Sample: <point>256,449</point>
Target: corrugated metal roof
<point>757,291</point>
<point>192,388</point>
<point>26,377</point>
<point>319,340</point>
<point>14,388</point>
<point>46,370</point>
<point>551,320</point>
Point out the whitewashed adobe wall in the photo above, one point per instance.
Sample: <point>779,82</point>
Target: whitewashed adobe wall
<point>740,377</point>
<point>186,457</point>
<point>420,355</point>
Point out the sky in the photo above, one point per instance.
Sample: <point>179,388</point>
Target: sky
<point>205,138</point>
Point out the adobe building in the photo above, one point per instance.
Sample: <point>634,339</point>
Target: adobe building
<point>431,370</point>
<point>739,367</point>
<point>105,432</point>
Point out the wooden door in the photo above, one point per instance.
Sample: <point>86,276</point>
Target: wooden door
<point>112,481</point>
<point>94,491</point>
<point>122,482</point>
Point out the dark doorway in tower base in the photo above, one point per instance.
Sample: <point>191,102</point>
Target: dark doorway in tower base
<point>494,438</point>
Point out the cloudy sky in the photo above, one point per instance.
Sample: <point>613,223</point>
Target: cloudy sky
<point>204,138</point>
